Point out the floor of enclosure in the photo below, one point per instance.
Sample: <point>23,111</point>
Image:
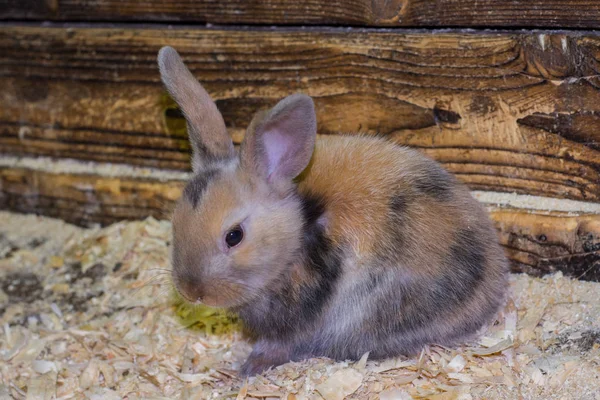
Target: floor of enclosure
<point>87,314</point>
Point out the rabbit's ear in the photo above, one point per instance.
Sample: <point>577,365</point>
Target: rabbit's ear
<point>208,135</point>
<point>279,143</point>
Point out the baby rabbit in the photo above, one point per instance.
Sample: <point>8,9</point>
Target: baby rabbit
<point>332,246</point>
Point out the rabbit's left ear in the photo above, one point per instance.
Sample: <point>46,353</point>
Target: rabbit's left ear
<point>208,135</point>
<point>279,143</point>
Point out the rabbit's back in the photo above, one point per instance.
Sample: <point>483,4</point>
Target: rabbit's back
<point>420,263</point>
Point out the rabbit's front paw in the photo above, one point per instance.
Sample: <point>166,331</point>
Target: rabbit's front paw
<point>264,356</point>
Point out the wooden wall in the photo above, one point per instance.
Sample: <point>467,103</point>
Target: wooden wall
<point>383,13</point>
<point>506,111</point>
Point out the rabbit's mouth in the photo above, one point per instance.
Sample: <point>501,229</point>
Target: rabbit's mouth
<point>216,293</point>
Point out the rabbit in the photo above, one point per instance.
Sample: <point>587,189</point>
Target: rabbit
<point>330,245</point>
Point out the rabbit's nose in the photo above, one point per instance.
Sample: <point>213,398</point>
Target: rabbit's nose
<point>192,290</point>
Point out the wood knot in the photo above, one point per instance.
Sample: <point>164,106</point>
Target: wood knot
<point>555,56</point>
<point>580,127</point>
<point>173,118</point>
<point>33,91</point>
<point>443,116</point>
<point>388,10</point>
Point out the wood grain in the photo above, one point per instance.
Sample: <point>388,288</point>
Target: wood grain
<point>407,13</point>
<point>86,199</point>
<point>539,242</point>
<point>504,111</point>
<point>581,126</point>
<point>536,242</point>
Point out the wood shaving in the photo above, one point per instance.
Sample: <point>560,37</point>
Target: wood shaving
<point>90,314</point>
<point>341,384</point>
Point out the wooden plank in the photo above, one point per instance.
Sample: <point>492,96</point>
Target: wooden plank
<point>86,199</point>
<point>504,111</point>
<point>407,13</point>
<point>537,242</point>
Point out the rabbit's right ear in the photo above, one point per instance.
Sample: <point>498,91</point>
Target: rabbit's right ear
<point>279,143</point>
<point>208,135</point>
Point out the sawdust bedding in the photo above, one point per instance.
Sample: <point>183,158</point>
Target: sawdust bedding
<point>88,313</point>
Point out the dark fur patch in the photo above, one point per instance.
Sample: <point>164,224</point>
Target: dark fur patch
<point>312,209</point>
<point>463,271</point>
<point>419,303</point>
<point>467,258</point>
<point>200,151</point>
<point>197,185</point>
<point>392,248</point>
<point>322,258</point>
<point>435,182</point>
<point>293,308</point>
<point>398,205</point>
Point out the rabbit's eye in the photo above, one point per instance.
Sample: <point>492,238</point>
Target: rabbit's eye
<point>234,236</point>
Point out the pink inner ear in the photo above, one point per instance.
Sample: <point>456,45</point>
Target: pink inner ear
<point>276,147</point>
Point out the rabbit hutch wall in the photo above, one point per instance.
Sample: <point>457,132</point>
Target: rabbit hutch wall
<point>507,99</point>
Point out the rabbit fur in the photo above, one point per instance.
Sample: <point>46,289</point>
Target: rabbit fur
<point>351,243</point>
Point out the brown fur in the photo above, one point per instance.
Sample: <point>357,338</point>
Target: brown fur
<point>354,175</point>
